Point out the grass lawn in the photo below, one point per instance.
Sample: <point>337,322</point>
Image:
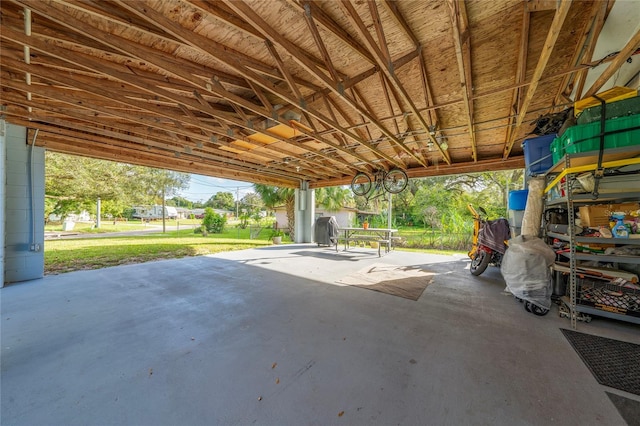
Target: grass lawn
<point>94,253</point>
<point>66,255</point>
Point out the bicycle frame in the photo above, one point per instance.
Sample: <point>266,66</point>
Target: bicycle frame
<point>394,182</point>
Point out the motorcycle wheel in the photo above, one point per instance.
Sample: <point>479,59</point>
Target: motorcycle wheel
<point>480,262</point>
<point>537,310</point>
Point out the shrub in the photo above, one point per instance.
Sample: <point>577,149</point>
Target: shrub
<point>213,222</point>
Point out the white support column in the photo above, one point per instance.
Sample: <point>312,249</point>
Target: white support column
<point>23,213</point>
<point>3,184</point>
<point>305,213</point>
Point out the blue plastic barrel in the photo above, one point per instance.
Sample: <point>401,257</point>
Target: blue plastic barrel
<point>518,199</point>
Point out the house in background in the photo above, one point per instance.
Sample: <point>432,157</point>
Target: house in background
<point>346,216</point>
<point>154,212</point>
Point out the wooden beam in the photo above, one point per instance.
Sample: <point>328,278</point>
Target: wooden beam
<point>594,35</point>
<point>442,170</point>
<point>392,7</point>
<point>521,70</point>
<point>550,42</point>
<point>313,29</point>
<point>615,65</point>
<point>106,67</point>
<point>202,44</point>
<point>462,44</point>
<point>249,15</point>
<point>385,67</point>
<point>330,25</point>
<point>566,87</point>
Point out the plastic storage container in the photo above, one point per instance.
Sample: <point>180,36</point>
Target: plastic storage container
<point>619,132</point>
<point>612,95</point>
<point>518,199</point>
<point>537,154</point>
<point>630,106</point>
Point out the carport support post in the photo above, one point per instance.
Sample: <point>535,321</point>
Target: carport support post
<point>389,212</point>
<point>305,213</point>
<point>3,183</point>
<point>22,171</point>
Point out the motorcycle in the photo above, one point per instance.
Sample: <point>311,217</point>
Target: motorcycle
<point>490,241</point>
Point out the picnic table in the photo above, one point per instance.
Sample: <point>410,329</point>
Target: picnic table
<point>383,236</point>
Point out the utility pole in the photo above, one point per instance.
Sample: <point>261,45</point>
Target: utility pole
<point>164,226</point>
<point>98,213</point>
<point>237,202</point>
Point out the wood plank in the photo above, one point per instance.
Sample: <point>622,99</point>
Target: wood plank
<point>462,43</point>
<point>552,37</point>
<point>355,19</point>
<point>632,45</point>
<point>242,68</point>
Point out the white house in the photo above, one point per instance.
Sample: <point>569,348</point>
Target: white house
<point>346,216</point>
<point>154,212</point>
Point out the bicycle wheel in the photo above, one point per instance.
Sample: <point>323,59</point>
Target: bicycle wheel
<point>361,184</point>
<point>395,181</point>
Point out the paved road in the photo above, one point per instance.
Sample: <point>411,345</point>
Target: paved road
<point>150,229</point>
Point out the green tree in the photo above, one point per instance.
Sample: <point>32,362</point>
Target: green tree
<point>273,196</point>
<point>334,198</point>
<point>75,183</point>
<point>222,201</point>
<point>213,222</point>
<point>178,201</point>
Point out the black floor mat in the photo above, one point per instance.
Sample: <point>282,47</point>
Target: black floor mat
<point>614,363</point>
<point>628,408</point>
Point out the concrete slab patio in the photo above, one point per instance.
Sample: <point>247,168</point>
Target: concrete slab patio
<point>266,336</point>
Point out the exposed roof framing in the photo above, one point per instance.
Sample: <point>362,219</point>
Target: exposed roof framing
<point>285,91</point>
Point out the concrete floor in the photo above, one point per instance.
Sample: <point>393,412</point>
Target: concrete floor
<point>265,336</point>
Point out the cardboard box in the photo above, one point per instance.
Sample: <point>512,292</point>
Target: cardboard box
<point>598,214</point>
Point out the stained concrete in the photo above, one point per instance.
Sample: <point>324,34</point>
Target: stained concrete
<point>265,336</point>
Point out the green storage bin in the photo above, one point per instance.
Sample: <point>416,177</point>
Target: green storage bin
<point>556,150</point>
<point>619,132</point>
<point>623,108</point>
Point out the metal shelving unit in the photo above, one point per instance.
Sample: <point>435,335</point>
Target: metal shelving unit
<point>569,167</point>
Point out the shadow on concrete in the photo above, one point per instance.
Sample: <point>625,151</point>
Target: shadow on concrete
<point>266,336</point>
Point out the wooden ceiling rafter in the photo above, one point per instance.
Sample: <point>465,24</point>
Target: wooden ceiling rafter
<point>440,170</point>
<point>550,42</point>
<point>111,91</point>
<point>374,81</point>
<point>350,123</point>
<point>582,46</point>
<point>581,77</point>
<point>227,18</point>
<point>225,95</point>
<point>462,44</point>
<point>129,117</point>
<point>56,127</point>
<point>48,10</point>
<point>87,129</point>
<point>317,38</point>
<point>360,27</point>
<point>313,10</point>
<point>521,70</point>
<point>410,130</point>
<point>179,163</point>
<point>632,45</point>
<point>200,43</point>
<point>250,16</point>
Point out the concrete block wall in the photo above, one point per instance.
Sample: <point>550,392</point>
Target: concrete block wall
<point>23,215</point>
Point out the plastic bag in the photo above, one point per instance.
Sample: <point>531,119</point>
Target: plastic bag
<point>532,217</point>
<point>526,268</point>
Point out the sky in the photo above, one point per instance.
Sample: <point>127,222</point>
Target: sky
<point>201,188</point>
